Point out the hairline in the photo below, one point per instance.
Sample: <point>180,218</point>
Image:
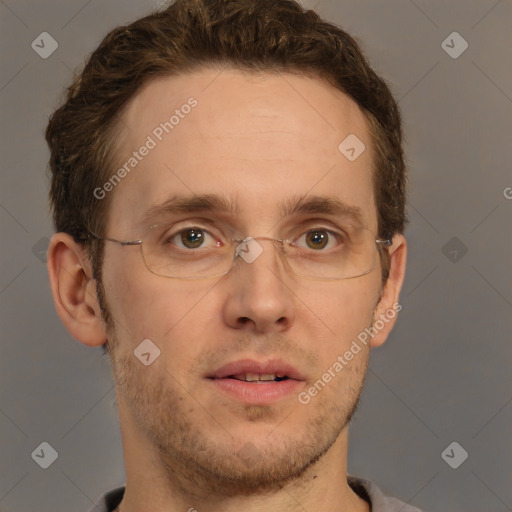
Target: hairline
<point>113,141</point>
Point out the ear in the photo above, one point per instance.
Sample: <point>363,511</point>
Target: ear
<point>388,307</point>
<point>74,291</point>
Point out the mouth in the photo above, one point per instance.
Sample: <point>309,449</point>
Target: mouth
<point>250,370</point>
<point>255,377</point>
<point>254,382</point>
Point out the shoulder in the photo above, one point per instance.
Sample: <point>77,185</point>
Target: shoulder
<point>364,488</point>
<point>109,501</point>
<point>379,503</point>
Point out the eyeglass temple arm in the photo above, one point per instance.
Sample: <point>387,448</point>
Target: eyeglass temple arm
<point>106,238</point>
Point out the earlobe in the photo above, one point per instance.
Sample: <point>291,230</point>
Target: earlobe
<point>389,306</point>
<point>74,291</point>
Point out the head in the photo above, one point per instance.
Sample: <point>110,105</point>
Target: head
<point>271,91</point>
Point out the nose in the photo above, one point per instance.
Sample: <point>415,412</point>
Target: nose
<point>259,297</point>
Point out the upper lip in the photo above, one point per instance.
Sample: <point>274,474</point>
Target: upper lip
<point>244,366</point>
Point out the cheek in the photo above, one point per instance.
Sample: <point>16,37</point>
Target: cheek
<point>344,308</point>
<point>147,306</point>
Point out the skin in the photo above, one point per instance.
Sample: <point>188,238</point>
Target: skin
<point>259,140</point>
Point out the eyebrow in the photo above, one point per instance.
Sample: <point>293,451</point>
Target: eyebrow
<point>326,205</point>
<point>191,204</point>
<point>304,204</point>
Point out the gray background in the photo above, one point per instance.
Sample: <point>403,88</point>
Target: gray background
<point>443,375</point>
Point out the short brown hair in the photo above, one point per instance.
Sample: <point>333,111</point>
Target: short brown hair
<point>190,35</point>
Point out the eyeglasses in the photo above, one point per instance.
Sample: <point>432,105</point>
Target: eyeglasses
<point>197,252</point>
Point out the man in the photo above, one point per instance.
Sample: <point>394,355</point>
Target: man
<point>228,192</point>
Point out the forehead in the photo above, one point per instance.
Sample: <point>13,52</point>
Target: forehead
<point>258,139</point>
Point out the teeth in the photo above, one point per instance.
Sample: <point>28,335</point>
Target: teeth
<point>253,377</point>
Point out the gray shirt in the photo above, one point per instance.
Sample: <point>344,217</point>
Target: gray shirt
<point>364,488</point>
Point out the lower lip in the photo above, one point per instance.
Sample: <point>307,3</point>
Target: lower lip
<point>259,392</point>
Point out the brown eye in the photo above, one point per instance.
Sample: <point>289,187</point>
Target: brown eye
<point>317,239</point>
<point>192,238</point>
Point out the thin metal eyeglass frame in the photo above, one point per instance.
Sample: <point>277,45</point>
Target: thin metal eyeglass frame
<point>386,242</point>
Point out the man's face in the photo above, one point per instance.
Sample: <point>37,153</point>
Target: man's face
<point>260,142</point>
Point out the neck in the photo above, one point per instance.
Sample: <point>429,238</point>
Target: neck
<point>157,484</point>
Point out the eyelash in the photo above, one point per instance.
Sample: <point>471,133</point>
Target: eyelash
<point>168,239</point>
